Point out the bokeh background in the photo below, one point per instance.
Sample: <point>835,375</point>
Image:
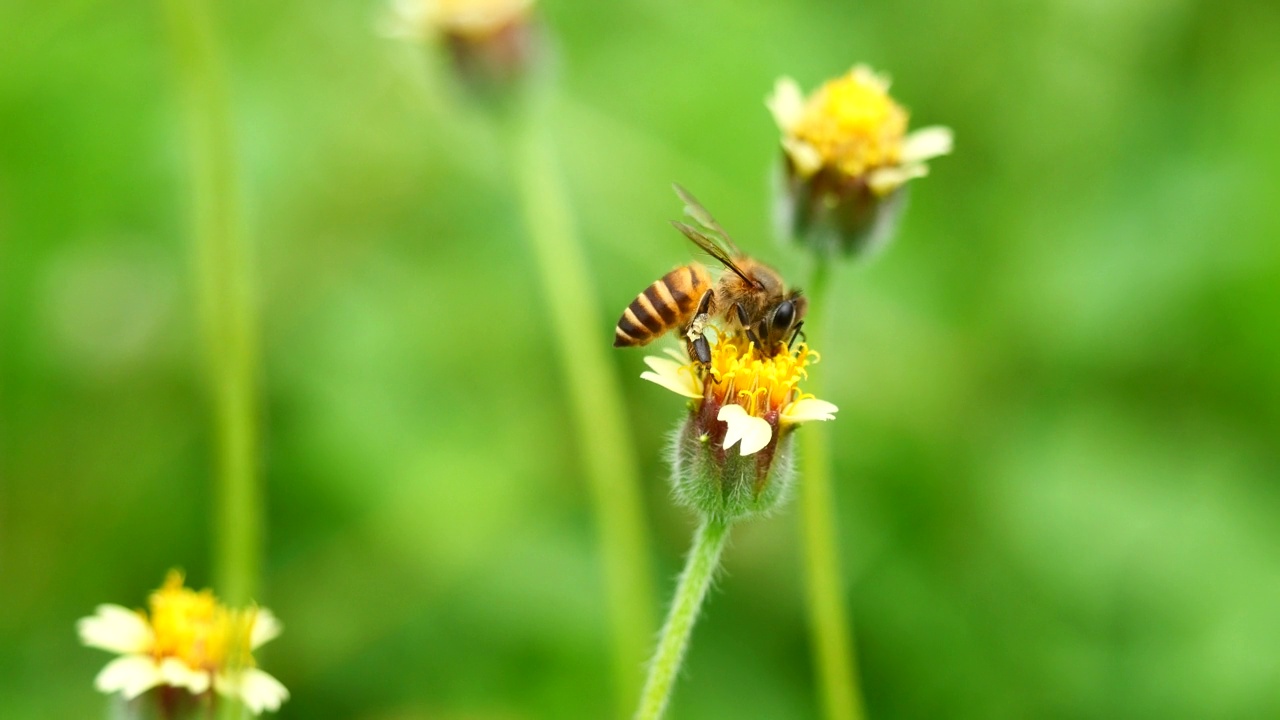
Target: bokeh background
<point>1057,449</point>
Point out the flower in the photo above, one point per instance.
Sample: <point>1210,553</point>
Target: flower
<point>852,127</point>
<point>732,454</point>
<point>189,640</point>
<point>422,19</point>
<point>491,43</point>
<point>847,154</point>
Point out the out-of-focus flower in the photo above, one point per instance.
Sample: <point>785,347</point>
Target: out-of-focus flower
<point>422,19</point>
<point>490,42</point>
<point>188,640</point>
<point>847,155</point>
<point>732,454</point>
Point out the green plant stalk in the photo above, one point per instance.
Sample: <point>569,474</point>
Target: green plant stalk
<point>831,633</point>
<point>225,298</point>
<point>608,458</point>
<point>691,591</point>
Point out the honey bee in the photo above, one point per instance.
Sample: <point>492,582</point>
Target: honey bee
<point>748,295</point>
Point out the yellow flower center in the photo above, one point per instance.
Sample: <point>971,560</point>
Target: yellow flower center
<point>198,630</point>
<point>853,124</point>
<point>739,373</point>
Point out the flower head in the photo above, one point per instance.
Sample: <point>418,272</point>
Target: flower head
<point>847,154</point>
<point>471,18</point>
<point>490,42</point>
<point>188,640</point>
<point>732,454</point>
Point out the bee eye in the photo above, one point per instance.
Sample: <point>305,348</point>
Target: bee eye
<point>784,315</point>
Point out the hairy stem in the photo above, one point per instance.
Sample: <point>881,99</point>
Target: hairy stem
<point>699,569</point>
<point>225,297</point>
<point>831,635</point>
<point>608,458</point>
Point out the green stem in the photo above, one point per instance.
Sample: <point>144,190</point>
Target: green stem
<point>595,397</point>
<point>225,297</point>
<point>831,633</point>
<point>699,569</point>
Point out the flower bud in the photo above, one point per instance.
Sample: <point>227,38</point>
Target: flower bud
<point>846,159</point>
<point>732,456</point>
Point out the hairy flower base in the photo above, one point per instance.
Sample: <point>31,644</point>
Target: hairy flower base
<point>833,214</point>
<point>723,483</point>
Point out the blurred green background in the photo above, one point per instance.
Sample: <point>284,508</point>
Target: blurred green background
<point>1057,447</point>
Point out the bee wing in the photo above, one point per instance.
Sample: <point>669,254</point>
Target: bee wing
<point>694,209</point>
<point>711,248</point>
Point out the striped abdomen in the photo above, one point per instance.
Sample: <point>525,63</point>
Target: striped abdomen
<point>667,304</point>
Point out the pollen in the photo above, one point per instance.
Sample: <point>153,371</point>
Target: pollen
<point>762,384</point>
<point>853,124</point>
<point>196,629</point>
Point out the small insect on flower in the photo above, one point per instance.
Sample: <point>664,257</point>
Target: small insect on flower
<point>188,641</point>
<point>749,297</point>
<point>742,369</point>
<point>847,153</point>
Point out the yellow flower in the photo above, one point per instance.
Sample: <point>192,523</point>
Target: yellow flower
<point>490,46</point>
<point>852,128</point>
<point>754,396</point>
<point>189,640</point>
<point>732,454</point>
<point>475,19</point>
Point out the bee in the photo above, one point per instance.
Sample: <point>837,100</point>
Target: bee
<point>749,295</point>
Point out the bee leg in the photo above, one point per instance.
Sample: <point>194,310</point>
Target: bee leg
<point>704,305</point>
<point>746,324</point>
<point>701,317</point>
<point>695,339</point>
<point>701,350</point>
<point>795,332</point>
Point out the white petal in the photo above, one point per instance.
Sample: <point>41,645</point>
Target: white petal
<point>926,143</point>
<point>732,416</point>
<point>266,627</point>
<point>673,376</point>
<point>130,675</point>
<point>756,436</point>
<point>117,629</point>
<point>753,432</point>
<point>808,409</point>
<point>680,358</point>
<point>663,366</point>
<point>260,691</point>
<point>786,103</point>
<point>176,673</point>
<point>885,180</point>
<point>804,156</point>
<point>864,73</point>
